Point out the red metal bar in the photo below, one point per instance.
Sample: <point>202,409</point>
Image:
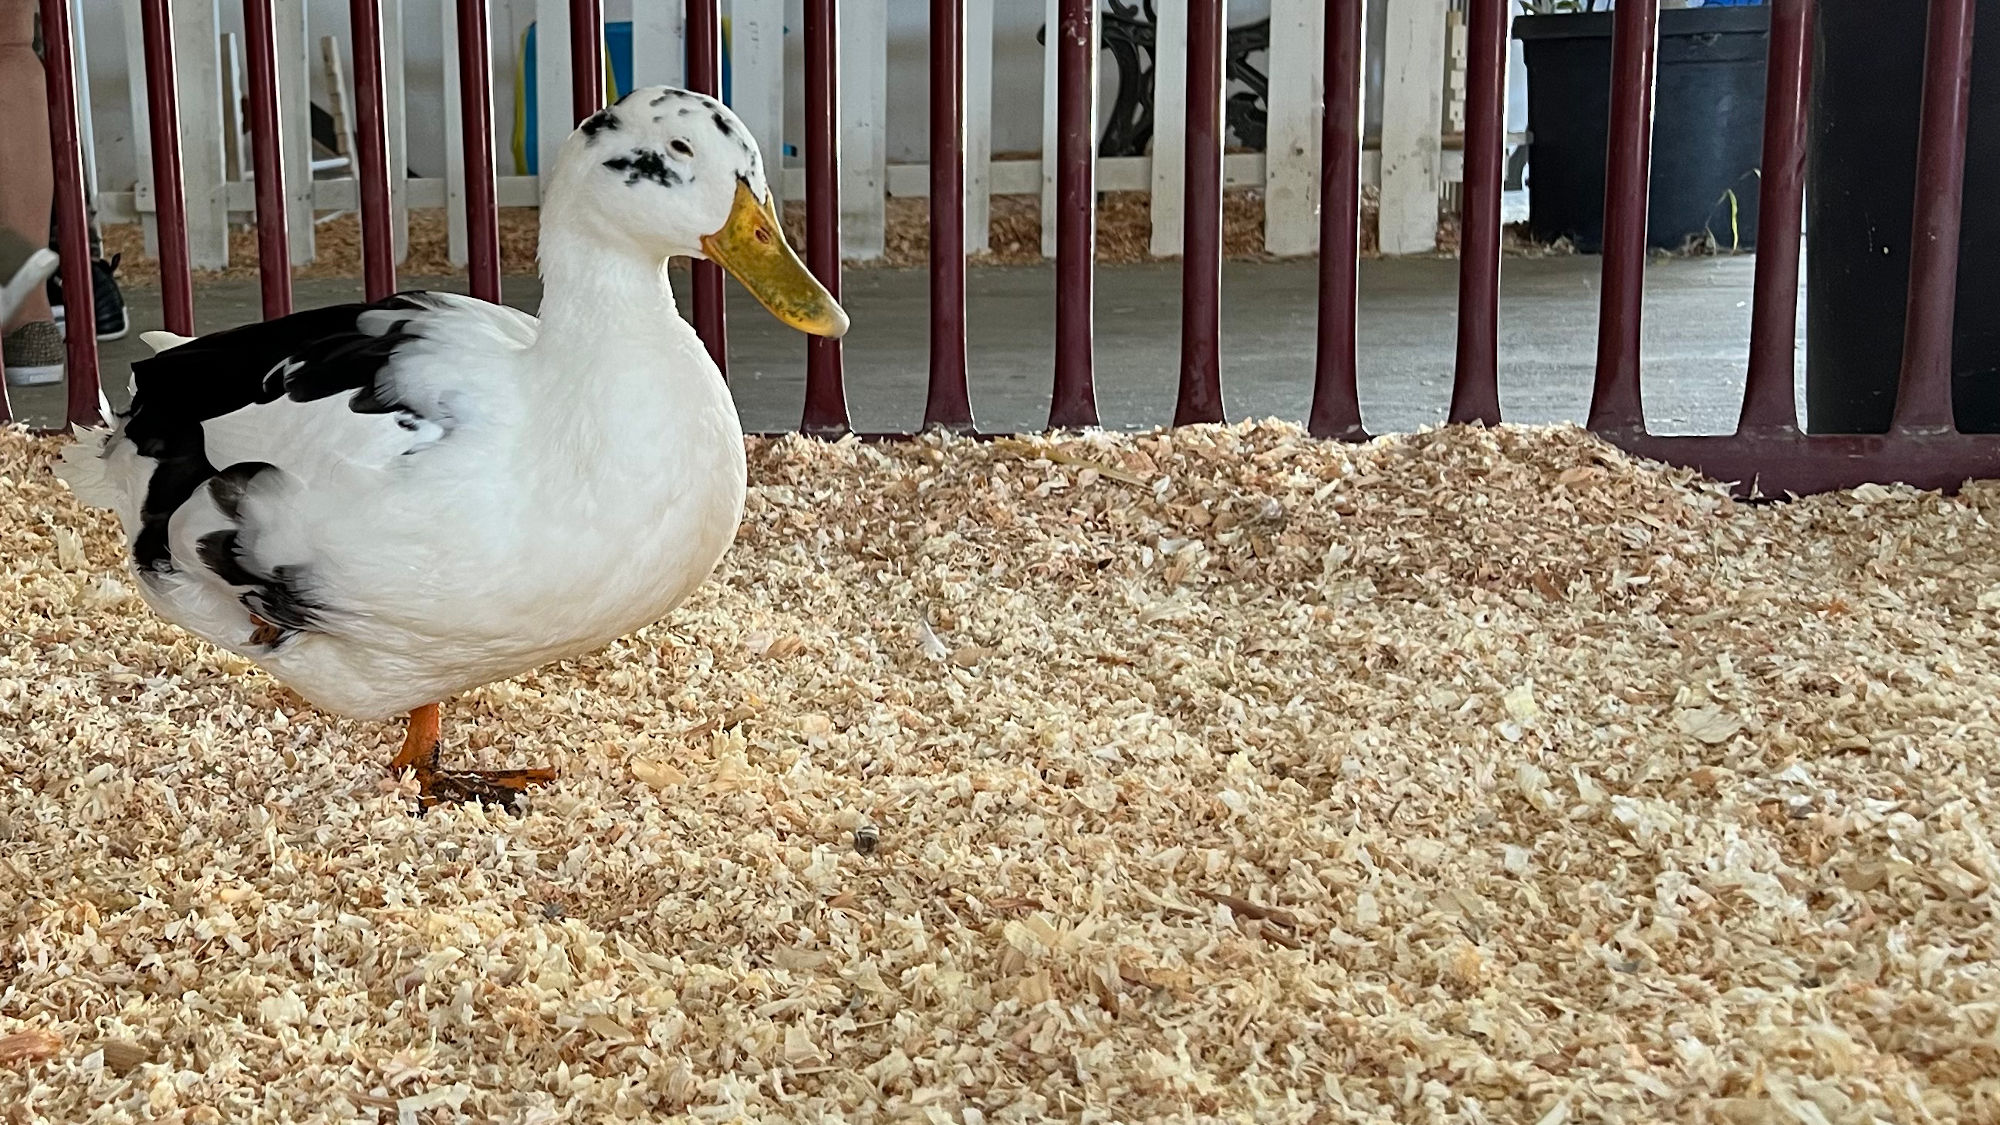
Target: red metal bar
<point>378,243</point>
<point>1773,465</point>
<point>169,198</point>
<point>475,99</point>
<point>704,30</point>
<point>1615,405</point>
<point>72,220</point>
<point>586,58</point>
<point>1336,405</point>
<point>826,397</point>
<point>1475,392</point>
<point>274,254</point>
<point>1200,398</point>
<point>1923,397</point>
<point>1770,403</point>
<point>1074,404</point>
<point>949,403</point>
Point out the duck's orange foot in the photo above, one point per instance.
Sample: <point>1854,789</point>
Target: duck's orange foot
<point>490,787</point>
<point>493,787</point>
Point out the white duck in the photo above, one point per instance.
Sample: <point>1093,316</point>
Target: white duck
<point>385,504</point>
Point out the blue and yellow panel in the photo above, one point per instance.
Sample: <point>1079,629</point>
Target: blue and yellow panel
<point>617,83</point>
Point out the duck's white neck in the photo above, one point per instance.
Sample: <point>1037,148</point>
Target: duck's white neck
<point>604,295</point>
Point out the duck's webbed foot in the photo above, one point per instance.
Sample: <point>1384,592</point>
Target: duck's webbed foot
<point>435,784</point>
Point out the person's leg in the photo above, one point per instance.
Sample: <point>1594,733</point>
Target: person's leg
<point>27,175</point>
<point>32,347</point>
<point>111,318</point>
<point>24,267</point>
<point>90,226</point>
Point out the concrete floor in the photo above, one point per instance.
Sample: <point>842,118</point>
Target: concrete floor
<point>1696,339</point>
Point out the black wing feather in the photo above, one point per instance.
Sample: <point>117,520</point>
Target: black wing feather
<point>305,356</point>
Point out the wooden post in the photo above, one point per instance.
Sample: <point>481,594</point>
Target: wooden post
<point>396,108</point>
<point>456,250</point>
<point>552,122</point>
<point>1412,113</point>
<point>757,88</point>
<point>295,52</point>
<point>1292,133</point>
<point>1170,76</point>
<point>658,44</point>
<point>143,199</point>
<point>198,53</point>
<point>864,135</point>
<point>978,125</point>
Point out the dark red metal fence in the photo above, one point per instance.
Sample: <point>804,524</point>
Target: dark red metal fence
<point>1768,451</point>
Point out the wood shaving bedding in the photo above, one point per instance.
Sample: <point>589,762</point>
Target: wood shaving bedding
<point>1464,776</point>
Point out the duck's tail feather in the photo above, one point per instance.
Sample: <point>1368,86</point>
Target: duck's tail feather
<point>161,341</point>
<point>105,471</point>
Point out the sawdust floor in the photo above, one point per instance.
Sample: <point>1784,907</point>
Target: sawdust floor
<point>1226,775</point>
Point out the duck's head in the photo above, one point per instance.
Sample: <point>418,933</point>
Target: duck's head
<point>672,173</point>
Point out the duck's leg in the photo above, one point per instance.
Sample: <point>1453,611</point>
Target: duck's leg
<point>420,753</point>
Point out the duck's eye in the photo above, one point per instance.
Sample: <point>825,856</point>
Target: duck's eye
<point>682,148</point>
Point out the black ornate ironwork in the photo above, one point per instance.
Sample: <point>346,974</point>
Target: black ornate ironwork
<point>1128,34</point>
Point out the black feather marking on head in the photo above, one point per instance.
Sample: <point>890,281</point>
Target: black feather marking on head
<point>722,123</point>
<point>645,164</point>
<point>661,99</point>
<point>601,121</point>
<point>685,112</point>
<point>304,356</point>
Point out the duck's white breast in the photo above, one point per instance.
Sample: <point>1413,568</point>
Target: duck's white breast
<point>531,544</point>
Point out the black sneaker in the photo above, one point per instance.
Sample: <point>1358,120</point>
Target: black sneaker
<point>112,322</point>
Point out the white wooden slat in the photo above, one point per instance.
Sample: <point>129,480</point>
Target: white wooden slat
<point>340,102</point>
<point>457,248</point>
<point>198,81</point>
<point>295,52</point>
<point>395,108</point>
<point>978,125</point>
<point>658,44</point>
<point>757,85</point>
<point>1051,17</point>
<point>142,135</point>
<point>1010,177</point>
<point>235,133</point>
<point>1412,112</point>
<point>1291,167</point>
<point>863,74</point>
<point>552,92</point>
<point>86,118</point>
<point>757,74</point>
<point>1170,94</point>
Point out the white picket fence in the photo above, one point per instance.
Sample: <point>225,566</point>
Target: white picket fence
<point>1410,166</point>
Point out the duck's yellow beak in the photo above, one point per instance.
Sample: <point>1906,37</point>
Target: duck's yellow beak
<point>752,247</point>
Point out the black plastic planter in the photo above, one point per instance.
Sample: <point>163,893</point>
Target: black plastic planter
<point>1860,186</point>
<point>1708,121</point>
